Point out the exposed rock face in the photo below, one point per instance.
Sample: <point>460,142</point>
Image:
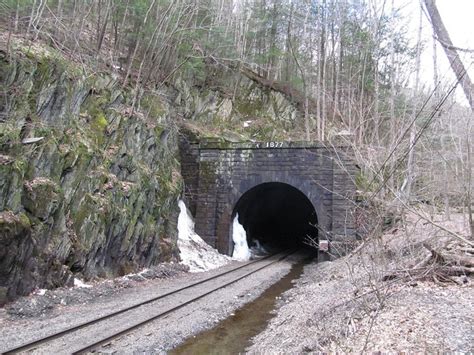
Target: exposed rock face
<point>90,186</point>
<point>234,107</point>
<point>97,195</point>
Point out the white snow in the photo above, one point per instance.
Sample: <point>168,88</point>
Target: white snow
<point>131,275</point>
<point>258,249</point>
<point>80,283</point>
<point>40,292</point>
<point>32,140</point>
<point>239,236</point>
<point>193,251</point>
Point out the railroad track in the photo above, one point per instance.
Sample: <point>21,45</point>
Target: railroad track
<point>228,278</point>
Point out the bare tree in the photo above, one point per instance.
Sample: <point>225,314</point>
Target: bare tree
<point>453,57</point>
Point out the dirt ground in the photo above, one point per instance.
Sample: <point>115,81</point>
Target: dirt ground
<point>345,306</point>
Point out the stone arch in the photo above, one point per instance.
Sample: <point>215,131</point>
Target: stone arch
<point>217,174</point>
<point>239,188</point>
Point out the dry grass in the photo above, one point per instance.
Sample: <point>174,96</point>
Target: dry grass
<point>349,305</point>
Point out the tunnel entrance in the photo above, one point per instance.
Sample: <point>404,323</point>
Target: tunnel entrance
<point>277,215</point>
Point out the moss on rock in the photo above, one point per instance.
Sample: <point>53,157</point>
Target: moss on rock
<point>99,188</point>
<point>41,197</point>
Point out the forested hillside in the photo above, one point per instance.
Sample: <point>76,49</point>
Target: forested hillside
<point>350,66</point>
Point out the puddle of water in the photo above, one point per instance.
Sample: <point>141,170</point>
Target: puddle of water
<point>233,334</point>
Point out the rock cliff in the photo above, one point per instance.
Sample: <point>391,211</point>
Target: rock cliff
<point>88,185</point>
<point>85,186</point>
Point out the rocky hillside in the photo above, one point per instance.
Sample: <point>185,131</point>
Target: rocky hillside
<point>85,186</point>
<point>89,184</point>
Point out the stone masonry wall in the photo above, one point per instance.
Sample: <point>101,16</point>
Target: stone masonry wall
<point>227,170</point>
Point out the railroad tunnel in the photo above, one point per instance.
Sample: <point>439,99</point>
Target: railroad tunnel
<point>281,191</point>
<point>278,215</point>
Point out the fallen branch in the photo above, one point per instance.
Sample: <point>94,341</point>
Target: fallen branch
<point>438,265</point>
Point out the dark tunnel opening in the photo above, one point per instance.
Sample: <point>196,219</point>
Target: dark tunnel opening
<point>277,215</point>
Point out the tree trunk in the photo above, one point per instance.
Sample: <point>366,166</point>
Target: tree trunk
<point>406,189</point>
<point>30,21</point>
<point>17,15</point>
<point>469,201</point>
<point>453,57</point>
<point>102,27</point>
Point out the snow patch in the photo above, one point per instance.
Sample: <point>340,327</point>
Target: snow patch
<point>258,250</point>
<point>133,275</point>
<point>80,283</point>
<point>40,292</point>
<point>193,251</point>
<point>239,236</point>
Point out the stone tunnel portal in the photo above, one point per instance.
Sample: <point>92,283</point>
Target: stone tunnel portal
<point>281,190</point>
<point>278,215</point>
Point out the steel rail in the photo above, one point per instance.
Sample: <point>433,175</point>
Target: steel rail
<point>139,324</point>
<point>58,334</point>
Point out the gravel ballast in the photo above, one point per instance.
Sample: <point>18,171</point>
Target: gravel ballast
<point>160,335</point>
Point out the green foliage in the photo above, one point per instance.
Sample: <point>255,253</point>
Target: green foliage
<point>196,69</point>
<point>152,105</point>
<point>296,81</point>
<point>249,108</point>
<point>362,182</point>
<point>341,46</point>
<point>100,122</point>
